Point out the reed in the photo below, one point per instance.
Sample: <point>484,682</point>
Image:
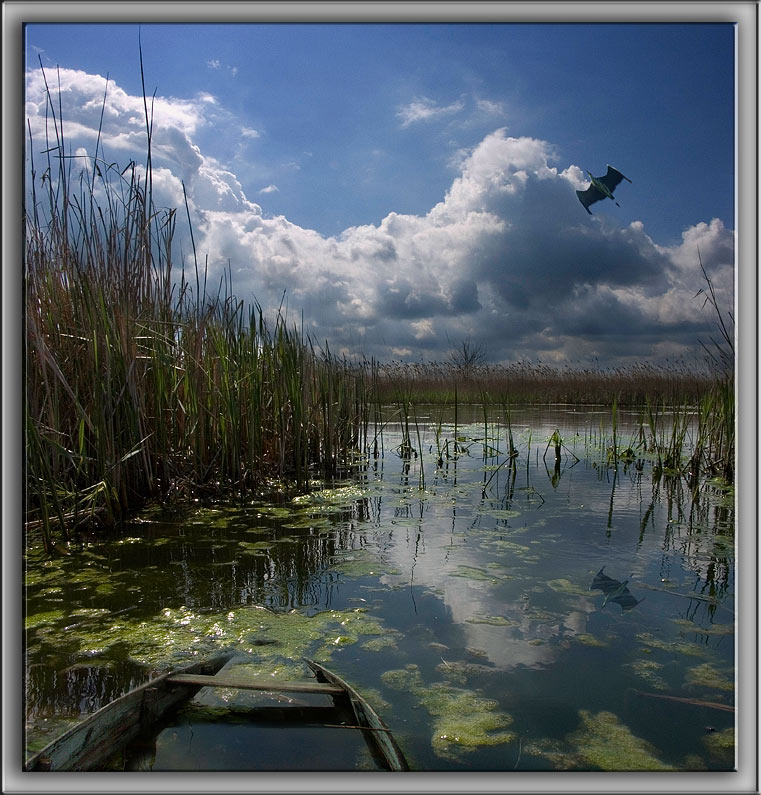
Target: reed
<point>529,383</point>
<point>140,384</point>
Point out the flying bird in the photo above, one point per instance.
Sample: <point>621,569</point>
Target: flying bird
<point>601,188</point>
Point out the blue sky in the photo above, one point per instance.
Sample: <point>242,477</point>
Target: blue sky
<point>411,185</point>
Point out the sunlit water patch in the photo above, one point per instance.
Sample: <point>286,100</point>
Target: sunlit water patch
<point>454,586</point>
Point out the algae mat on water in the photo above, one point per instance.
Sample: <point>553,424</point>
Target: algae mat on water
<point>175,634</point>
<point>601,742</point>
<point>462,720</point>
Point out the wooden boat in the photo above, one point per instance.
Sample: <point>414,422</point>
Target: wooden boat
<point>92,743</point>
<point>377,735</point>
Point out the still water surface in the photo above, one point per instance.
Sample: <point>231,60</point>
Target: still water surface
<point>452,589</point>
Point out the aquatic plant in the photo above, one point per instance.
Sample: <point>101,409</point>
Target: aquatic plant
<point>463,720</point>
<point>143,382</point>
<point>601,742</point>
<point>721,744</point>
<point>706,675</point>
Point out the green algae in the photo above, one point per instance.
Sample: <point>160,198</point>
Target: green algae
<point>473,573</point>
<point>361,563</point>
<point>494,621</point>
<point>274,511</point>
<point>308,523</point>
<point>175,634</point>
<point>503,545</point>
<point>674,647</point>
<point>589,640</point>
<point>715,629</point>
<point>721,745</point>
<point>337,497</point>
<point>462,720</point>
<point>601,742</point>
<point>383,642</point>
<point>647,670</point>
<point>48,617</point>
<point>459,671</point>
<point>567,587</point>
<point>706,675</point>
<point>498,513</point>
<point>607,744</point>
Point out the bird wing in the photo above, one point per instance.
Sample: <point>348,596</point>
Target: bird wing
<point>612,178</point>
<point>589,196</point>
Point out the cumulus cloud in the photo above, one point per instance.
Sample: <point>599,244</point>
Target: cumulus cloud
<point>507,258</point>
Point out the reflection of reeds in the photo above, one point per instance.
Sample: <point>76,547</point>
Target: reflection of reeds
<point>137,384</point>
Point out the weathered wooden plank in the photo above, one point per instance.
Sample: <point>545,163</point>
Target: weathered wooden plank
<point>266,685</point>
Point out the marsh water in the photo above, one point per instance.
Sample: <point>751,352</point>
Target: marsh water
<point>450,584</point>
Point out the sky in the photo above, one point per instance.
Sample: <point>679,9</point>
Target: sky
<point>408,187</point>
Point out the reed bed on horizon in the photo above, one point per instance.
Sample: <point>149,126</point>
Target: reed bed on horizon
<point>530,383</point>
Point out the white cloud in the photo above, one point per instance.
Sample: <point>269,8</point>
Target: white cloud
<point>490,107</point>
<point>507,258</point>
<point>425,109</point>
<point>269,189</point>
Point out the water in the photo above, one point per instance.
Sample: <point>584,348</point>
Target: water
<point>453,592</point>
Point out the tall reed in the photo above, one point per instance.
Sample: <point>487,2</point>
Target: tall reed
<point>139,384</point>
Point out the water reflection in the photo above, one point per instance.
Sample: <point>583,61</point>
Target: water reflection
<point>477,561</point>
<point>614,590</point>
